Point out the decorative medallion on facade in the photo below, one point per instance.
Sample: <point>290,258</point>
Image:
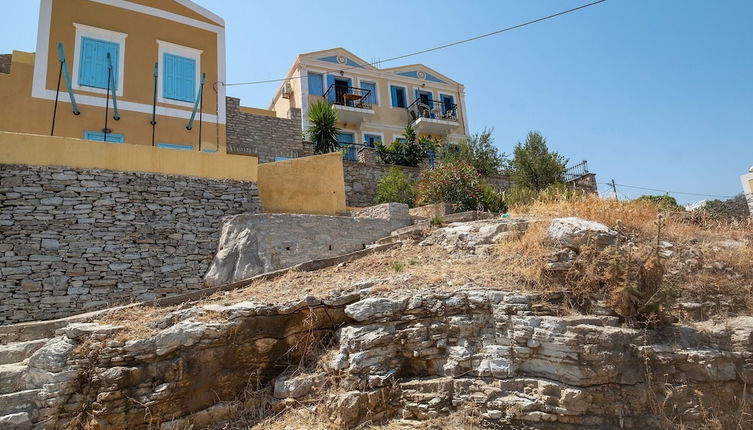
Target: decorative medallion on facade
<point>421,75</point>
<point>341,59</point>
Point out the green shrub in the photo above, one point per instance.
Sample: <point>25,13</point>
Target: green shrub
<point>664,202</point>
<point>492,200</point>
<point>409,151</point>
<point>323,131</point>
<point>437,220</point>
<point>534,166</point>
<point>517,196</point>
<point>458,184</point>
<point>478,151</point>
<point>396,187</point>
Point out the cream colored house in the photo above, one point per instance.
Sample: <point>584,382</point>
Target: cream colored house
<point>747,181</point>
<point>374,104</point>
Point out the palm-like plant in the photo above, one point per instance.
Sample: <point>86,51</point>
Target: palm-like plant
<point>323,131</point>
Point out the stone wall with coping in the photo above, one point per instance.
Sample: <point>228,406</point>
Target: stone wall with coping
<point>5,61</point>
<point>76,240</point>
<point>264,136</point>
<point>361,179</point>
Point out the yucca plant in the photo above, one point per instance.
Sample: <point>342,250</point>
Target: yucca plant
<point>323,131</point>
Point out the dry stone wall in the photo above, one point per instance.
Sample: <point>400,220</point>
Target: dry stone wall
<point>264,136</point>
<point>75,240</point>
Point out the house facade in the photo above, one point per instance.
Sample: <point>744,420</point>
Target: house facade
<point>374,104</point>
<point>747,182</point>
<point>124,71</point>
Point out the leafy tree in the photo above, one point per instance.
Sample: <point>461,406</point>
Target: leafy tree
<point>456,183</point>
<point>534,166</point>
<point>409,151</point>
<point>479,152</point>
<point>323,131</point>
<point>664,202</point>
<point>396,187</point>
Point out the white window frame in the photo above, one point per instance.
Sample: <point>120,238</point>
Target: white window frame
<point>397,136</point>
<point>181,51</point>
<point>376,88</point>
<point>82,31</point>
<point>407,95</point>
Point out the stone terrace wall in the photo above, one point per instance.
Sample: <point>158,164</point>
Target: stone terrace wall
<point>265,136</point>
<point>361,180</point>
<point>5,60</point>
<point>75,240</point>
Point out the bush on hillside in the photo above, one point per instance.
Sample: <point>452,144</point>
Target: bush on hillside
<point>534,166</point>
<point>396,187</point>
<point>492,200</point>
<point>479,151</point>
<point>458,184</point>
<point>664,202</point>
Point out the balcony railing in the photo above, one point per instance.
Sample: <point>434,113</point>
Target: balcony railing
<point>350,151</point>
<point>434,110</point>
<point>348,96</point>
<point>576,171</point>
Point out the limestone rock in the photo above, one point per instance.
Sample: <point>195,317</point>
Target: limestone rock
<point>575,233</point>
<point>475,236</point>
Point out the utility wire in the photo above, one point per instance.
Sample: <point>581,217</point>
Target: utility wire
<point>666,191</point>
<point>436,48</point>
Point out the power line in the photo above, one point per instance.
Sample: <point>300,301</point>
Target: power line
<point>436,48</point>
<point>666,191</point>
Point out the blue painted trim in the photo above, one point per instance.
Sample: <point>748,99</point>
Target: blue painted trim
<point>174,146</point>
<point>333,59</point>
<point>282,159</point>
<point>414,74</point>
<point>211,151</point>
<point>67,76</point>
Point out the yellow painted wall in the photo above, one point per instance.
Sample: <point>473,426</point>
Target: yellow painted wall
<point>257,111</point>
<point>16,148</point>
<point>312,185</point>
<point>20,112</point>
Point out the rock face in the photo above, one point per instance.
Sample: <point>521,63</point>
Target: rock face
<point>575,233</point>
<point>254,244</point>
<point>416,357</point>
<point>476,236</point>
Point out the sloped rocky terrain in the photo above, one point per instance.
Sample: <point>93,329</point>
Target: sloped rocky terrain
<point>429,328</point>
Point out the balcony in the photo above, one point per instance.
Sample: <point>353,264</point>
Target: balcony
<point>352,103</point>
<point>433,117</point>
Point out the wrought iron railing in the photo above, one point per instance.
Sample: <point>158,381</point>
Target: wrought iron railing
<point>576,171</point>
<point>433,109</point>
<point>350,151</point>
<point>348,96</point>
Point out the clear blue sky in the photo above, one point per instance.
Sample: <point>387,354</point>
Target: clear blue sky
<point>653,93</point>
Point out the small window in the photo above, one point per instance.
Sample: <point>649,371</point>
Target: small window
<point>448,104</point>
<point>174,146</point>
<point>371,87</point>
<point>398,97</point>
<point>371,140</point>
<point>179,78</point>
<point>92,70</point>
<point>282,159</point>
<point>316,84</point>
<point>99,136</point>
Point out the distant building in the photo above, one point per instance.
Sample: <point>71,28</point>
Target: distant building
<point>184,39</point>
<point>747,181</point>
<point>373,104</point>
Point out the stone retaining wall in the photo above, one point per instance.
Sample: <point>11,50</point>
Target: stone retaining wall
<point>264,136</point>
<point>5,61</point>
<point>75,240</point>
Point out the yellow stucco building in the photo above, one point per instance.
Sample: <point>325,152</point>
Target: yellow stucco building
<point>374,104</point>
<point>153,55</point>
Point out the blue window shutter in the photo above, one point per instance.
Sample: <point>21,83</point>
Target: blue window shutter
<point>179,78</point>
<point>92,67</point>
<point>346,138</point>
<point>393,92</point>
<point>330,82</point>
<point>372,99</point>
<point>316,87</point>
<point>99,136</point>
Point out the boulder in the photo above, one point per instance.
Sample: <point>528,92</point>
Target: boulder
<point>576,233</point>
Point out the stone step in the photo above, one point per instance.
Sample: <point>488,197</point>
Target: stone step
<point>13,378</point>
<point>19,351</point>
<point>17,421</point>
<point>35,330</point>
<point>20,401</point>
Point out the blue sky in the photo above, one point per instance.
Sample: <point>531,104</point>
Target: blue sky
<point>653,93</point>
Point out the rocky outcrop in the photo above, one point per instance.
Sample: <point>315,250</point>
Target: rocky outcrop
<point>416,356</point>
<point>254,244</point>
<point>576,233</point>
<point>477,236</point>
